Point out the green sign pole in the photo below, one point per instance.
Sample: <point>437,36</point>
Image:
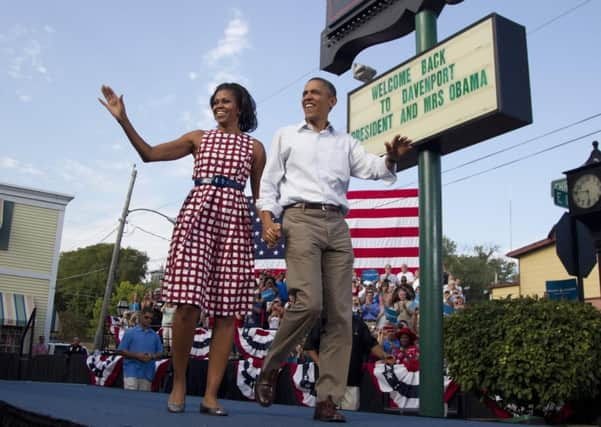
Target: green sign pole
<point>431,386</point>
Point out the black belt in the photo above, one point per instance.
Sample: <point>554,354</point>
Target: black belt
<point>321,206</point>
<point>219,181</point>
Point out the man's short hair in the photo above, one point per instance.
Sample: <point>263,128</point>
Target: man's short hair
<point>327,83</point>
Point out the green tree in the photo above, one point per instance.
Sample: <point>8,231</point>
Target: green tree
<point>477,269</point>
<point>82,276</point>
<point>122,291</point>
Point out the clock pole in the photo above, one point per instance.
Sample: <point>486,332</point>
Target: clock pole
<point>584,201</point>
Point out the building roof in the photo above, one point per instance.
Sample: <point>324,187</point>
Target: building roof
<point>34,195</point>
<point>525,250</point>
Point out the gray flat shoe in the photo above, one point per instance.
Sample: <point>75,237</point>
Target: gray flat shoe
<point>176,407</point>
<point>220,412</point>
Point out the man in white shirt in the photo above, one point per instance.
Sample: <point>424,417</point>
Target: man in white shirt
<point>388,275</point>
<point>405,273</point>
<point>305,181</point>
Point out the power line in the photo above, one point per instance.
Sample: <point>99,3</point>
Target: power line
<point>553,147</point>
<point>552,20</point>
<point>282,89</point>
<point>520,144</point>
<point>150,233</point>
<point>87,273</point>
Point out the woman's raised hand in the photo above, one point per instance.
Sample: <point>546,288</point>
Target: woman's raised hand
<point>114,104</point>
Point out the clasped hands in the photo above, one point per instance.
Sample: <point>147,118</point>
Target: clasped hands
<point>271,234</point>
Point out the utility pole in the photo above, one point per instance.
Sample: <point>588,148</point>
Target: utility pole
<point>98,340</point>
<point>431,388</point>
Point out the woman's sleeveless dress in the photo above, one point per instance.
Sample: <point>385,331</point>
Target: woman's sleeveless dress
<point>211,263</point>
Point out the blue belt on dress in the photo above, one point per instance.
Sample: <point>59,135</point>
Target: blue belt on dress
<point>219,181</point>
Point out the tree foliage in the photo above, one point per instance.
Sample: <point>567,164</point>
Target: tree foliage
<point>478,269</point>
<point>530,352</point>
<point>82,276</point>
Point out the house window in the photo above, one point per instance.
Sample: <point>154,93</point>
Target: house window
<point>6,216</point>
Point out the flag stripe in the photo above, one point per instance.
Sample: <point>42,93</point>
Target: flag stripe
<point>390,242</point>
<point>384,232</point>
<point>409,202</point>
<point>385,252</point>
<point>382,194</point>
<point>383,222</point>
<point>382,213</point>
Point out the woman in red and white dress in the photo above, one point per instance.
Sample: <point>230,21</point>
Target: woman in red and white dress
<point>210,264</point>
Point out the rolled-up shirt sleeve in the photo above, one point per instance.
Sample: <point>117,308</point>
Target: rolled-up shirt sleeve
<point>273,174</point>
<point>366,165</point>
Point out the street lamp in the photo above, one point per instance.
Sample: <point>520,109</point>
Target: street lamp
<point>363,73</point>
<point>168,218</point>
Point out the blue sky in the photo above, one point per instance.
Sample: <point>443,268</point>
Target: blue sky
<point>167,57</point>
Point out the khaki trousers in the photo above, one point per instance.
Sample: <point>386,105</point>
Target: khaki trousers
<point>319,259</point>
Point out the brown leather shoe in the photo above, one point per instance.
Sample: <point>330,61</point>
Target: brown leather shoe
<point>326,411</point>
<point>265,387</point>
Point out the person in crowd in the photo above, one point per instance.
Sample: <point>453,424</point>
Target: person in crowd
<point>357,307</point>
<point>415,283</point>
<point>135,304</point>
<point>388,339</point>
<point>41,348</point>
<point>364,345</point>
<point>76,348</point>
<point>280,284</point>
<point>146,300</point>
<point>276,312</point>
<point>383,291</point>
<point>306,179</point>
<point>405,273</point>
<point>458,303</point>
<point>371,309</point>
<point>168,311</point>
<point>210,264</point>
<point>409,293</point>
<point>407,353</point>
<point>402,305</point>
<point>388,275</point>
<point>141,347</point>
<point>356,287</point>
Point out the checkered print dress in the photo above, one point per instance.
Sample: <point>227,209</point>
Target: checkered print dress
<point>210,263</point>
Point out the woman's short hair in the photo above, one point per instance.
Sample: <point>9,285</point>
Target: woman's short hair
<point>246,104</point>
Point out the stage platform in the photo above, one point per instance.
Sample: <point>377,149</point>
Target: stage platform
<point>56,404</point>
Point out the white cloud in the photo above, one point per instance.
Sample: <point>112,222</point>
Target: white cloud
<point>23,97</point>
<point>81,175</point>
<point>26,168</point>
<point>49,29</point>
<point>234,40</point>
<point>21,55</point>
<point>221,64</point>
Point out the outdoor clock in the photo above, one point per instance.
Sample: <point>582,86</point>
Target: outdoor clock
<point>586,191</point>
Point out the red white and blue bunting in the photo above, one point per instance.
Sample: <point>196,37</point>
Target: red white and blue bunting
<point>402,384</point>
<point>105,369</point>
<point>254,342</point>
<point>247,372</point>
<point>303,379</point>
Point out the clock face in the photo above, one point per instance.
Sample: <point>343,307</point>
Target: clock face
<point>586,191</point>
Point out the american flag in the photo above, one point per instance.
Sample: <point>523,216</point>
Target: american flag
<point>384,226</point>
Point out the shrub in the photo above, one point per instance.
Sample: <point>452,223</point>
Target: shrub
<point>532,353</point>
